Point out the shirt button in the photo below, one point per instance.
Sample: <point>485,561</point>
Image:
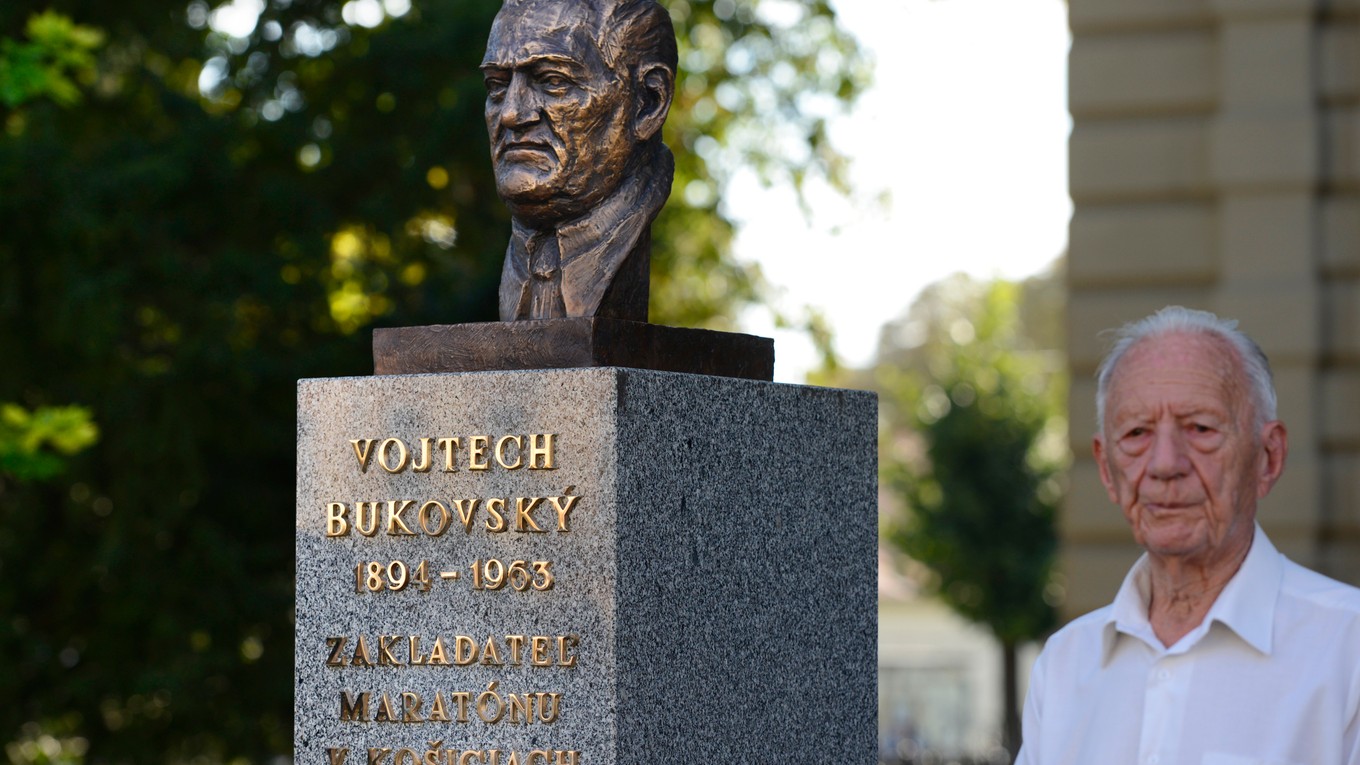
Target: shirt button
<point>1163,675</point>
<point>1153,759</point>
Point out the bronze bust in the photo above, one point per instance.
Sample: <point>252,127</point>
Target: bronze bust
<point>577,92</point>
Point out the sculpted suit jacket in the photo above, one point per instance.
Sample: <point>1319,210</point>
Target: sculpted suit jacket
<point>603,257</point>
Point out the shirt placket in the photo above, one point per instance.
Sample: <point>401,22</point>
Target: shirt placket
<point>1166,700</point>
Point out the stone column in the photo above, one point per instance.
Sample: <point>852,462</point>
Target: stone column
<point>621,566</point>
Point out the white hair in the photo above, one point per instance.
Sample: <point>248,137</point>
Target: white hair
<point>1175,319</point>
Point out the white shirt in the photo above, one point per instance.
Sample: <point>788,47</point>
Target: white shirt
<point>1272,676</point>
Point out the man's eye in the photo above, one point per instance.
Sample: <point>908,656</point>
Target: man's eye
<point>554,81</point>
<point>1135,432</point>
<point>495,86</point>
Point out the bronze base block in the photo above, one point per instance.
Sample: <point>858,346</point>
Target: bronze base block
<point>570,344</point>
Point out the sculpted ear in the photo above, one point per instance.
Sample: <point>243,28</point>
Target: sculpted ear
<point>655,90</point>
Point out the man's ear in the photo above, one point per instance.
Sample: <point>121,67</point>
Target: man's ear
<point>1106,474</point>
<point>655,90</point>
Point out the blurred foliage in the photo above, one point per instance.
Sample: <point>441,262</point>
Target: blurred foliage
<point>974,446</point>
<point>33,444</point>
<point>244,190</point>
<point>978,476</point>
<point>57,51</point>
<point>54,744</point>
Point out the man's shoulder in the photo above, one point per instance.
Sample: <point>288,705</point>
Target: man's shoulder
<point>1319,591</point>
<point>1082,633</point>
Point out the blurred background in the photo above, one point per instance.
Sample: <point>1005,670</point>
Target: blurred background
<point>202,202</point>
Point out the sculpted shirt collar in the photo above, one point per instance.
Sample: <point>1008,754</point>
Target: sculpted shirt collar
<point>593,247</point>
<point>1246,606</point>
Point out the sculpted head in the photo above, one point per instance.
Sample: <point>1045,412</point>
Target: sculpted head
<point>1188,439</point>
<point>577,92</point>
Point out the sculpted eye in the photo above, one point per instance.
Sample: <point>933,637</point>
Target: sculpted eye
<point>554,82</point>
<point>496,86</point>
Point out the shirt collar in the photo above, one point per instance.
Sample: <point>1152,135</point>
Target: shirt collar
<point>1246,606</point>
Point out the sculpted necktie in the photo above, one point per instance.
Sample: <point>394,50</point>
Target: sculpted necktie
<point>545,277</point>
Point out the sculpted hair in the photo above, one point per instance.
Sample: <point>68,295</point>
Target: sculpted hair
<point>636,32</point>
<point>1175,319</point>
<point>629,33</point>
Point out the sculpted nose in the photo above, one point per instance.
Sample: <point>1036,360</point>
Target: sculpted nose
<point>1168,458</point>
<point>519,107</point>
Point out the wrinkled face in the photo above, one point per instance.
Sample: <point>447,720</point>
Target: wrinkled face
<point>558,117</point>
<point>1180,453</point>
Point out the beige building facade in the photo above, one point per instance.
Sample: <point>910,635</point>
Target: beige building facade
<point>1215,163</point>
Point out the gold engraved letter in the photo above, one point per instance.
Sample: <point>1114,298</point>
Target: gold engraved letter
<point>410,707</point>
<point>438,711</point>
<point>524,514</point>
<point>366,523</point>
<point>562,641</point>
<point>337,756</point>
<point>423,466</point>
<point>414,658</point>
<point>439,654</point>
<point>450,447</point>
<point>462,698</point>
<point>466,509</point>
<point>385,645</point>
<point>477,453</point>
<point>516,642</point>
<point>541,451</point>
<point>495,507</point>
<point>445,518</point>
<point>337,644</point>
<point>519,455</point>
<point>386,712</point>
<point>362,452</point>
<point>353,709</point>
<point>564,505</point>
<point>540,651</point>
<point>491,656</point>
<point>337,525</point>
<point>361,658</point>
<point>394,518</point>
<point>401,460</point>
<point>464,651</point>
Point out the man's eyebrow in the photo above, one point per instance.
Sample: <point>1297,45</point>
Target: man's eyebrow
<point>532,61</point>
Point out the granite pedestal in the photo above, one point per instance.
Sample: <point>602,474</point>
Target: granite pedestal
<point>685,570</point>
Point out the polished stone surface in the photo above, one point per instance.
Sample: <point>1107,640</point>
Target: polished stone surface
<point>719,567</point>
<point>570,343</point>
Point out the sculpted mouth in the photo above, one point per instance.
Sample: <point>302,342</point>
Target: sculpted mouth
<point>524,147</point>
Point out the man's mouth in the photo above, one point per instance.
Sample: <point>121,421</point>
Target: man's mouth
<point>515,150</point>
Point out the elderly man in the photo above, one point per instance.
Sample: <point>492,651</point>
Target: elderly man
<point>577,92</point>
<point>1217,650</point>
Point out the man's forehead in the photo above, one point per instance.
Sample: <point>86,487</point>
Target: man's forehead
<point>541,29</point>
<point>1194,364</point>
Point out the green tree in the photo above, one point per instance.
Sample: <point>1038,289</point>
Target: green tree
<point>245,189</point>
<point>973,451</point>
<point>56,54</point>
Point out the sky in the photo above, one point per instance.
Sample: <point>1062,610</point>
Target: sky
<point>959,152</point>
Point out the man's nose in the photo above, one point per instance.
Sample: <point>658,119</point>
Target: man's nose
<point>521,105</point>
<point>1168,458</point>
